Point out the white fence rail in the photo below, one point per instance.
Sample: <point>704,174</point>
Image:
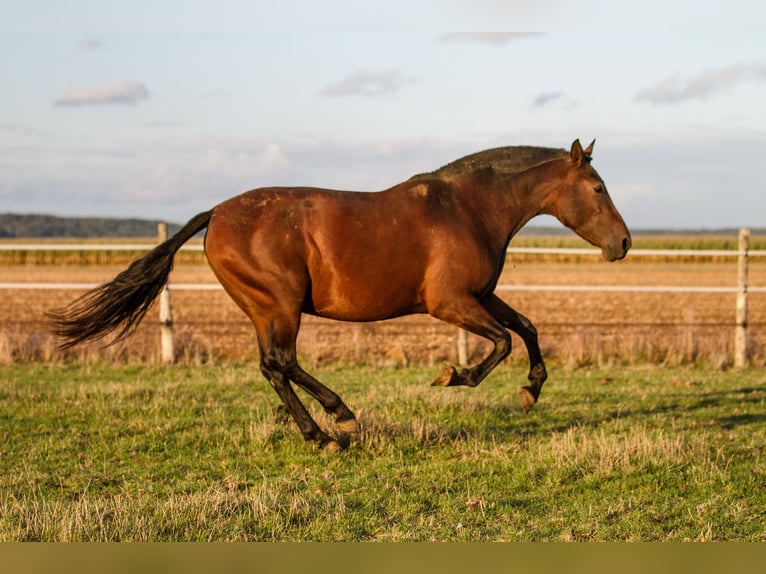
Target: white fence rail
<point>743,254</point>
<point>89,247</point>
<point>529,287</point>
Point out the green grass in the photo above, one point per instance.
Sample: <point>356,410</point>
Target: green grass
<point>96,452</point>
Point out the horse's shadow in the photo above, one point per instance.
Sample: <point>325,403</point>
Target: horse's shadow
<point>508,419</point>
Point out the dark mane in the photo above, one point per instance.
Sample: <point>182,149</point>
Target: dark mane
<point>510,159</point>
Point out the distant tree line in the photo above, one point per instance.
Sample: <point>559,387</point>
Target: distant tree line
<point>14,225</point>
<point>20,226</point>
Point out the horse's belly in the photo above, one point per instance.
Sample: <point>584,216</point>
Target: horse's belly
<point>358,300</point>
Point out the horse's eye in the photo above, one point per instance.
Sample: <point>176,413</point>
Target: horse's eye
<point>599,188</point>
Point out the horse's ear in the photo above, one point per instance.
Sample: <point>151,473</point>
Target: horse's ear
<point>576,153</point>
<point>579,156</point>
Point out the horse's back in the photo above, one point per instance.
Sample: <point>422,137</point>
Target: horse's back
<point>348,255</point>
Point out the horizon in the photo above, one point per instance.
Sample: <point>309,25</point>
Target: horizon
<point>552,227</point>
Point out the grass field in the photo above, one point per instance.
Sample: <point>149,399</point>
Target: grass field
<point>110,452</point>
<point>108,445</point>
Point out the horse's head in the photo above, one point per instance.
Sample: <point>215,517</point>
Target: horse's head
<point>582,203</point>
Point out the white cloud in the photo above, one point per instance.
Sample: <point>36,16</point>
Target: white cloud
<point>242,165</point>
<point>367,83</point>
<point>124,92</point>
<point>701,86</point>
<point>683,181</point>
<point>492,38</point>
<point>189,175</point>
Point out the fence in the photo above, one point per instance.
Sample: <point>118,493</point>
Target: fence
<point>743,254</point>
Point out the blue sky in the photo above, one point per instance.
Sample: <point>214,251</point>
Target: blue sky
<point>163,109</point>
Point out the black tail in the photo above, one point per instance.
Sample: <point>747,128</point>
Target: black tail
<point>123,302</point>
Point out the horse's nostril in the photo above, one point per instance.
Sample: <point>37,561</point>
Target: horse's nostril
<point>626,244</point>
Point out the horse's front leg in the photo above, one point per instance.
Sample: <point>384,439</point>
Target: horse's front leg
<point>523,327</point>
<point>467,313</point>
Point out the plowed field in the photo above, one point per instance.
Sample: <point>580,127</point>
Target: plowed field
<point>575,326</point>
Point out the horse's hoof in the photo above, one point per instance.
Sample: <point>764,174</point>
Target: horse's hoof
<point>331,446</point>
<point>449,377</point>
<point>527,399</point>
<point>445,377</point>
<point>348,426</point>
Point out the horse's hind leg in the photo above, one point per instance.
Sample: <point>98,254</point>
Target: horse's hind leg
<point>331,402</point>
<point>308,427</point>
<point>276,338</point>
<point>519,324</point>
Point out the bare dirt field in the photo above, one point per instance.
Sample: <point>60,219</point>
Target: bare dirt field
<point>575,327</point>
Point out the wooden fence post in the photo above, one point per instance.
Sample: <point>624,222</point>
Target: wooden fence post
<point>166,313</point>
<point>462,348</point>
<point>740,330</point>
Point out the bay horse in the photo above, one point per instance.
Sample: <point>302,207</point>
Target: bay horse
<point>434,244</point>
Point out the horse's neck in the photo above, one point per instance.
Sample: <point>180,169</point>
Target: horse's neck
<point>516,198</point>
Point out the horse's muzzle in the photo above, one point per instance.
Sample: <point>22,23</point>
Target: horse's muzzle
<point>618,250</point>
